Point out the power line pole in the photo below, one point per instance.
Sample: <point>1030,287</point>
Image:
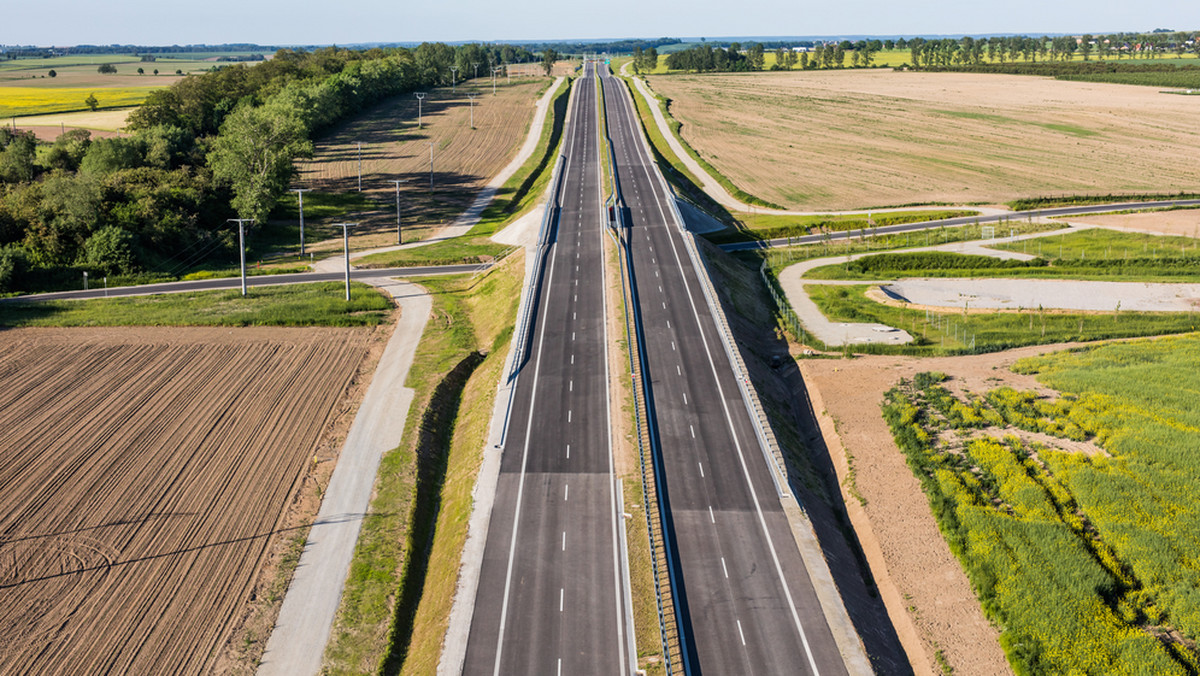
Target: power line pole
<point>399,235</point>
<point>420,97</point>
<point>242,246</point>
<point>475,66</point>
<point>346,252</point>
<point>300,194</point>
<point>471,96</point>
<point>453,84</point>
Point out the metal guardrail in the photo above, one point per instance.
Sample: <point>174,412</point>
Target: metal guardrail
<point>768,444</point>
<point>660,560</point>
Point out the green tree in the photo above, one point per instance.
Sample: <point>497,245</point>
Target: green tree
<point>110,250</point>
<point>253,155</point>
<point>68,150</point>
<point>18,150</point>
<point>141,71</point>
<point>106,69</point>
<point>107,155</point>
<point>52,73</point>
<point>92,102</point>
<point>549,57</point>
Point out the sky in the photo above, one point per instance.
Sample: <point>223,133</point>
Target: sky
<point>280,22</point>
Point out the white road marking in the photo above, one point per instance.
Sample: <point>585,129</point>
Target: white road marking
<point>562,593</point>
<point>660,288</point>
<point>693,431</point>
<point>572,316</point>
<point>664,306</point>
<point>568,415</point>
<point>572,359</point>
<point>701,469</point>
<point>568,450</point>
<point>678,371</point>
<point>672,346</point>
<point>572,386</point>
<point>711,517</point>
<point>685,398</point>
<point>740,632</point>
<point>668,323</point>
<point>723,568</point>
<point>560,666</point>
<point>566,492</point>
<point>564,544</point>
<point>572,335</point>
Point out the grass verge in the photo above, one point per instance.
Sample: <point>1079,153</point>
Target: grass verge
<point>318,304</point>
<point>753,227</point>
<point>1079,200</point>
<point>397,598</point>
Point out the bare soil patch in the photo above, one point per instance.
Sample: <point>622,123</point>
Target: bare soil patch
<point>150,473</point>
<point>928,595</point>
<point>1185,222</point>
<point>394,149</point>
<point>861,138</point>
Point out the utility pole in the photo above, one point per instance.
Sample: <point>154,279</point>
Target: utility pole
<point>475,66</point>
<point>453,84</point>
<point>471,96</point>
<point>242,246</point>
<point>300,194</point>
<point>420,97</point>
<point>346,252</point>
<point>360,166</point>
<point>399,235</point>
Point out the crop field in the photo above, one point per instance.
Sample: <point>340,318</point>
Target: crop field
<point>1084,560</point>
<point>869,138</point>
<point>19,101</point>
<point>146,474</point>
<point>393,148</point>
<point>1099,243</point>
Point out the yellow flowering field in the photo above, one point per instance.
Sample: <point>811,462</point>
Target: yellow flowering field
<point>20,101</point>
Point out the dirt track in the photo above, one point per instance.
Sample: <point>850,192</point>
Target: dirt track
<point>146,472</point>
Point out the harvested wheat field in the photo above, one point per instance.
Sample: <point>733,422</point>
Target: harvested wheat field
<point>393,148</point>
<point>146,473</point>
<point>1184,222</point>
<point>866,138</point>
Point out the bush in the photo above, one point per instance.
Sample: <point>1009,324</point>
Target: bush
<point>14,264</point>
<point>110,251</point>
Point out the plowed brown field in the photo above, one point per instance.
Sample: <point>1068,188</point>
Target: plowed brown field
<point>143,474</point>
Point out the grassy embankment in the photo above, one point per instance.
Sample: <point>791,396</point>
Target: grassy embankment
<point>752,227</point>
<point>319,304</point>
<point>397,598</point>
<point>1086,562</point>
<point>517,196</point>
<point>1051,201</point>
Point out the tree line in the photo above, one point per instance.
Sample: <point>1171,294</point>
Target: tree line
<point>734,58</point>
<point>210,147</point>
<point>969,51</point>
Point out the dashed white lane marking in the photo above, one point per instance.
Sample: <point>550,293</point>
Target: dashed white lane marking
<point>678,371</point>
<point>723,568</point>
<point>568,415</point>
<point>685,398</point>
<point>660,288</point>
<point>668,323</point>
<point>701,465</point>
<point>572,386</point>
<point>567,492</point>
<point>572,335</point>
<point>711,516</point>
<point>692,430</point>
<point>739,632</point>
<point>562,593</point>
<point>568,450</point>
<point>564,541</point>
<point>572,316</point>
<point>572,359</point>
<point>672,346</point>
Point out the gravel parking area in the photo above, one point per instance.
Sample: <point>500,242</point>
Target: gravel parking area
<point>1056,294</point>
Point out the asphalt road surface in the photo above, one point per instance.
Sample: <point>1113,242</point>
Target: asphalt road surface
<point>257,280</point>
<point>746,603</point>
<point>550,597</point>
<point>965,220</point>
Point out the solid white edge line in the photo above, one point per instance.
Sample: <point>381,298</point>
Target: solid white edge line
<point>512,548</point>
<point>728,418</point>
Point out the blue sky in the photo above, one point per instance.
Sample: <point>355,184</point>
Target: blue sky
<point>66,22</point>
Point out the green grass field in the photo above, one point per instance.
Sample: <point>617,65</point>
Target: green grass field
<point>320,304</point>
<point>952,332</point>
<point>1086,563</point>
<point>1101,244</point>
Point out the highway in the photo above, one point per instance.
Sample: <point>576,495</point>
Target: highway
<point>746,605</point>
<point>257,280</point>
<point>550,596</point>
<point>964,220</point>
